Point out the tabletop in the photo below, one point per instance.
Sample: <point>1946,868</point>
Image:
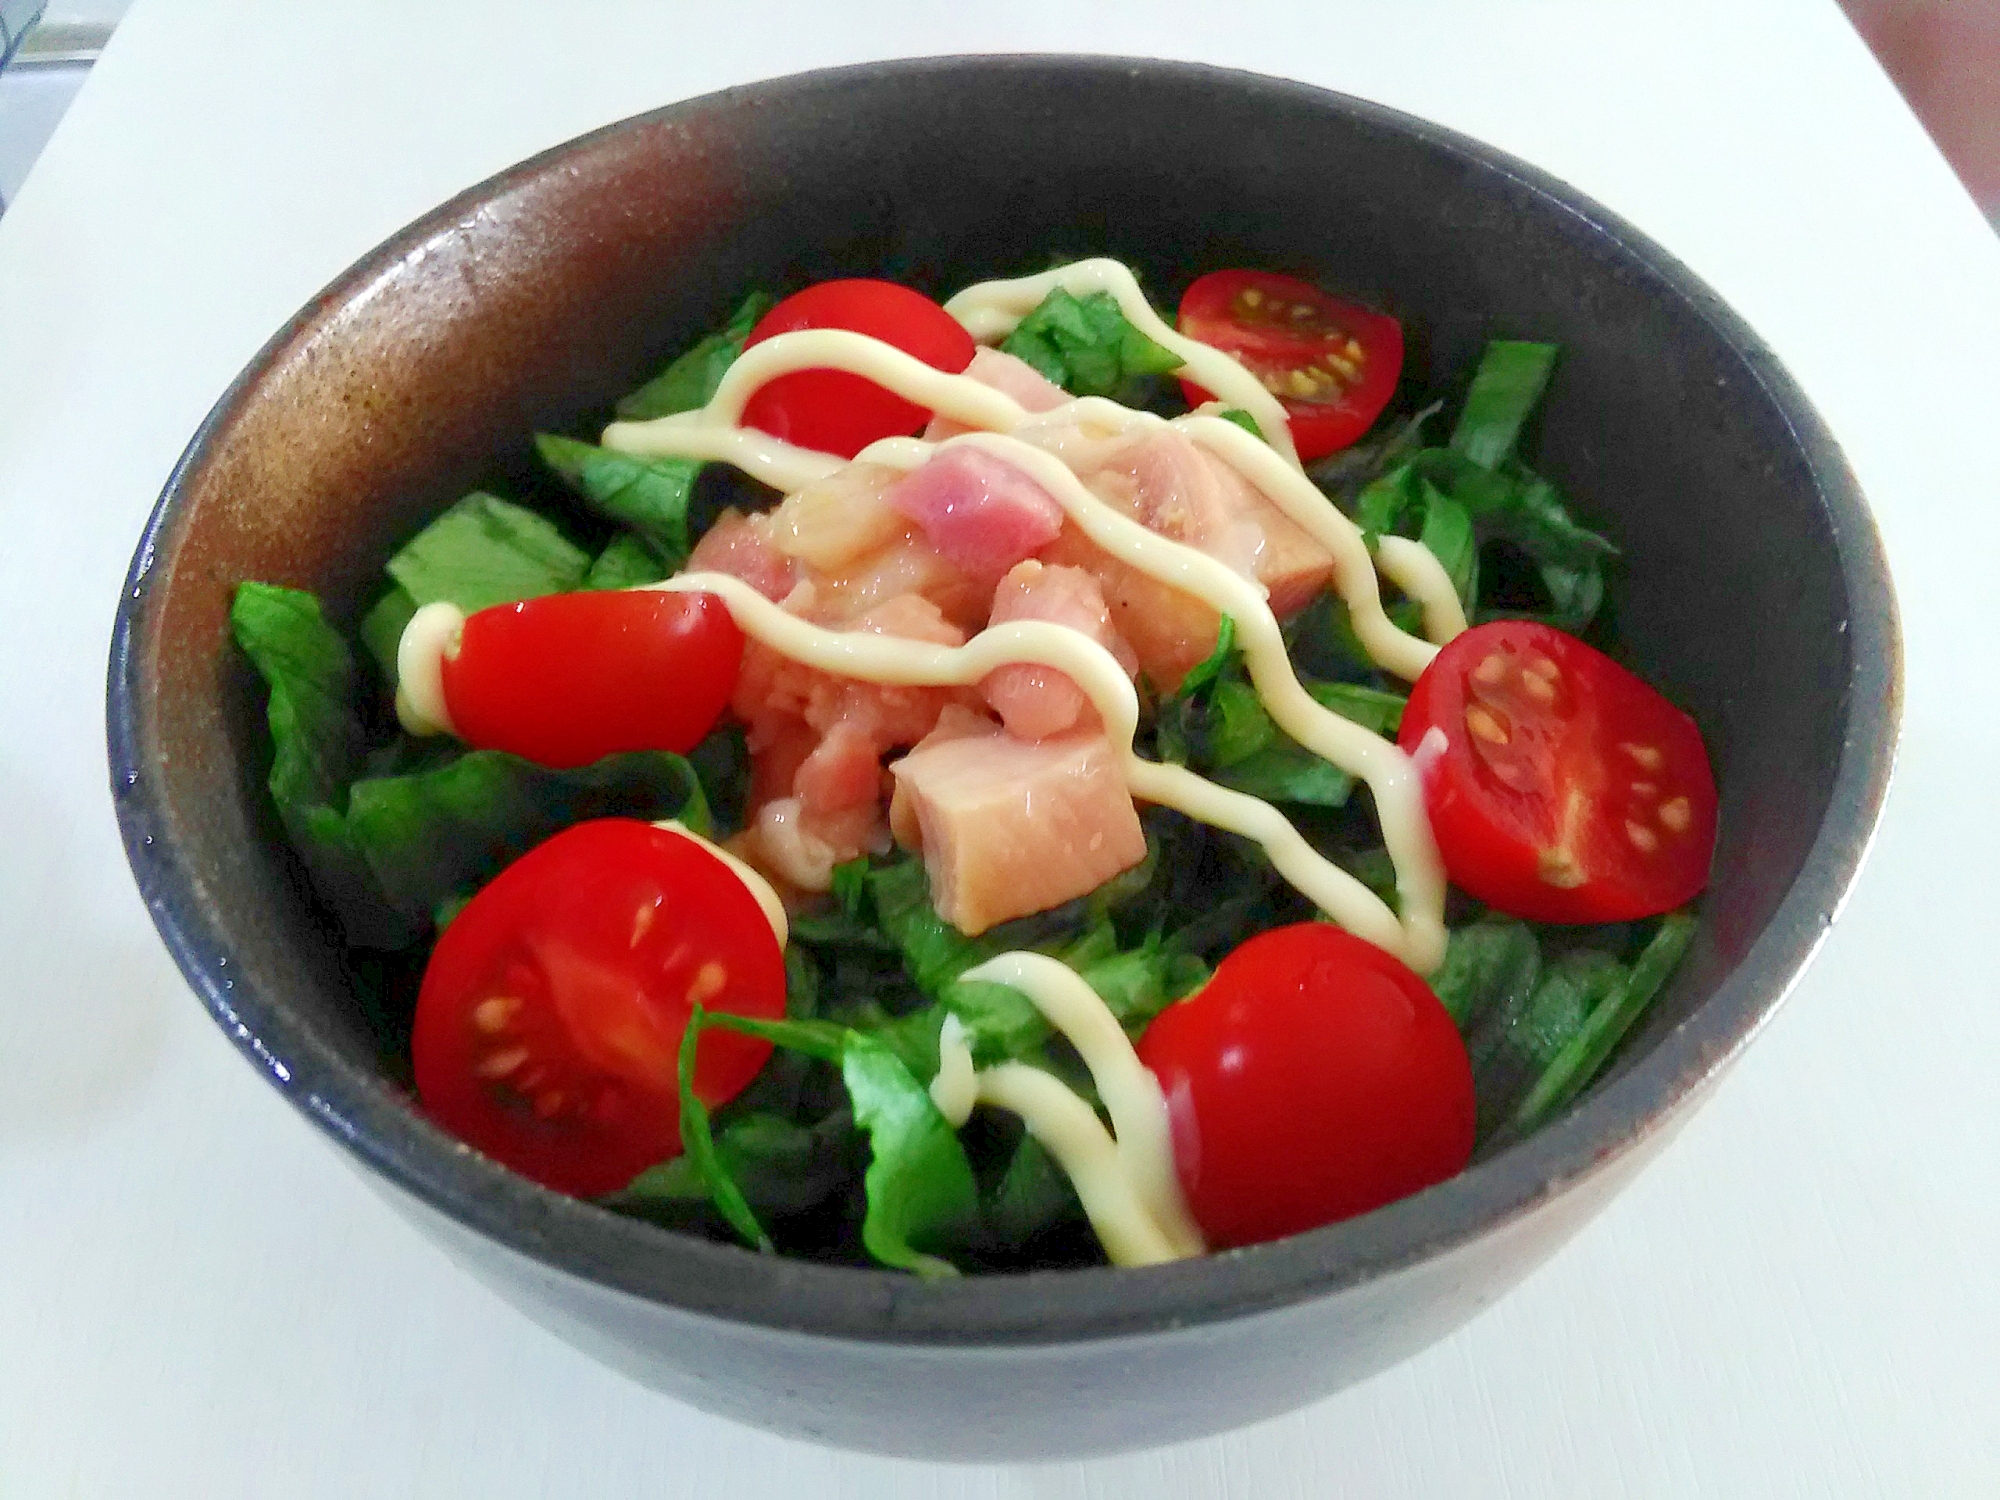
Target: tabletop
<point>198,1297</point>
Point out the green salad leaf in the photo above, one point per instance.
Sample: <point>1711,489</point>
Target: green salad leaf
<point>1087,345</point>
<point>1216,723</point>
<point>626,562</point>
<point>647,495</point>
<point>691,379</point>
<point>1506,389</point>
<point>486,551</point>
<point>920,1189</point>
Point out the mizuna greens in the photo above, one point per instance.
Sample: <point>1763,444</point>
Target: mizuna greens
<point>836,1151</point>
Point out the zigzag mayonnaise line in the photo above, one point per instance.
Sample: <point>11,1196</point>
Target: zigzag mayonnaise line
<point>990,311</point>
<point>1399,802</point>
<point>868,657</point>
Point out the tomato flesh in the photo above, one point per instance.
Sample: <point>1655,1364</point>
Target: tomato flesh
<point>567,679</point>
<point>1314,1077</point>
<point>1561,788</point>
<point>836,411</point>
<point>549,1024</point>
<point>1333,364</point>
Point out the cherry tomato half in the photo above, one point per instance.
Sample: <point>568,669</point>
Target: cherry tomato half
<point>567,679</point>
<point>549,1024</point>
<point>1312,1079</point>
<point>1331,362</point>
<point>838,412</point>
<point>1561,788</point>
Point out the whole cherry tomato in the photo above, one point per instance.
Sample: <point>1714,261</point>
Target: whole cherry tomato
<point>836,411</point>
<point>567,679</point>
<point>1332,363</point>
<point>1561,788</point>
<point>549,1025</point>
<point>1313,1078</point>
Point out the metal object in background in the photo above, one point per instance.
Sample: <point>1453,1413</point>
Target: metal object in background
<point>41,68</point>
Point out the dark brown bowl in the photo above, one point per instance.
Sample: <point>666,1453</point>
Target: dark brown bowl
<point>1754,593</point>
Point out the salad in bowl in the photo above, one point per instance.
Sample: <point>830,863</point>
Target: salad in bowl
<point>1004,783</point>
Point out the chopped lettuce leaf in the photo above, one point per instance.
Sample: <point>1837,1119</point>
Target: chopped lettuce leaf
<point>1087,345</point>
<point>382,628</point>
<point>691,379</point>
<point>1506,388</point>
<point>1242,419</point>
<point>314,737</point>
<point>486,551</point>
<point>647,495</point>
<point>626,562</point>
<point>920,1190</point>
<point>1587,1047</point>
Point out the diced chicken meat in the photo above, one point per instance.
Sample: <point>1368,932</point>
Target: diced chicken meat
<point>1031,390</point>
<point>1170,632</point>
<point>1172,486</point>
<point>742,547</point>
<point>1010,827</point>
<point>1036,701</point>
<point>982,513</point>
<point>835,522</point>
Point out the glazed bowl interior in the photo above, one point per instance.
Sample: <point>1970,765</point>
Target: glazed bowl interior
<point>1751,589</point>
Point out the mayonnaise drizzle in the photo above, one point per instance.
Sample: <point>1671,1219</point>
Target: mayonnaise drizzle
<point>757,885</point>
<point>1130,1092</point>
<point>869,657</point>
<point>431,635</point>
<point>1415,569</point>
<point>1419,938</point>
<point>992,309</point>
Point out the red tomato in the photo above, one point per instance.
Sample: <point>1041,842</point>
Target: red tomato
<point>1312,1079</point>
<point>838,412</point>
<point>549,1025</point>
<point>567,679</point>
<point>1561,788</point>
<point>1331,362</point>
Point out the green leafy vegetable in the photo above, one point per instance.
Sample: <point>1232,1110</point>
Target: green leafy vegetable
<point>486,551</point>
<point>1242,419</point>
<point>1589,1046</point>
<point>648,495</point>
<point>314,739</point>
<point>779,1167</point>
<point>1217,724</point>
<point>919,1186</point>
<point>382,628</point>
<point>1506,388</point>
<point>1489,967</point>
<point>434,834</point>
<point>626,562</point>
<point>1087,346</point>
<point>690,380</point>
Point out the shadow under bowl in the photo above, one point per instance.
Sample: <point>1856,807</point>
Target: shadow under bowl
<point>1753,592</point>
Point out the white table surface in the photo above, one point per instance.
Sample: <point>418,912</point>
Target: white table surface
<point>198,1298</point>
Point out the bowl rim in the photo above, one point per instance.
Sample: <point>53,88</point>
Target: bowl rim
<point>377,1126</point>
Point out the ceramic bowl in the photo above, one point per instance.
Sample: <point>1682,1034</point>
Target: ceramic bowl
<point>1753,591</point>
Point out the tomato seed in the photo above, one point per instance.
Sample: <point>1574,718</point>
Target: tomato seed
<point>1643,838</point>
<point>1558,867</point>
<point>500,1064</point>
<point>1490,670</point>
<point>709,980</point>
<point>547,1104</point>
<point>491,1015</point>
<point>1676,815</point>
<point>1647,757</point>
<point>1539,688</point>
<point>1487,725</point>
<point>1252,297</point>
<point>1353,351</point>
<point>1645,789</point>
<point>1300,312</point>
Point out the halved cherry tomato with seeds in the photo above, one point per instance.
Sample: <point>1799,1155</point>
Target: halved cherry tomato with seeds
<point>1314,1077</point>
<point>1561,788</point>
<point>836,411</point>
<point>549,1025</point>
<point>1332,363</point>
<point>567,679</point>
